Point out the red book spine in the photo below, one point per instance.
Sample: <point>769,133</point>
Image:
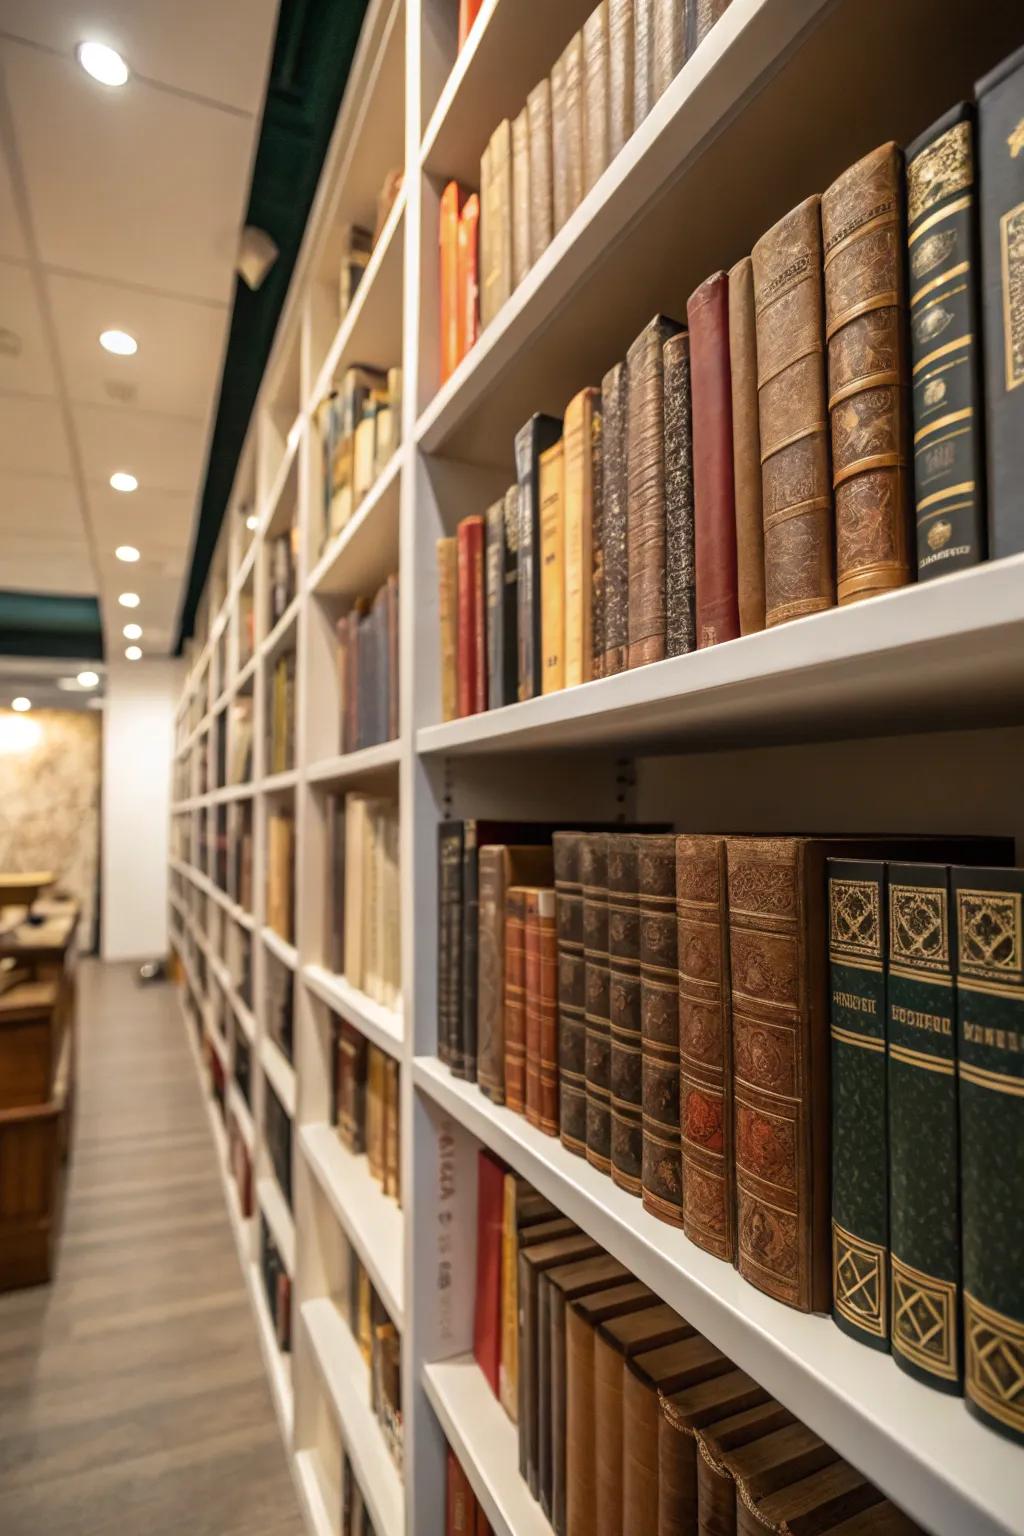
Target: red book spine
<point>468,276</point>
<point>451,207</point>
<point>479,620</point>
<point>490,1198</point>
<point>467,15</point>
<point>714,504</point>
<point>460,1511</point>
<point>470,556</point>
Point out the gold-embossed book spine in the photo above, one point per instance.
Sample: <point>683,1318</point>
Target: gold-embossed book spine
<point>661,1175</point>
<point>626,1054</point>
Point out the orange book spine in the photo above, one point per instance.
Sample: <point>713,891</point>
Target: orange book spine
<point>468,10</point>
<point>468,276</point>
<point>451,208</point>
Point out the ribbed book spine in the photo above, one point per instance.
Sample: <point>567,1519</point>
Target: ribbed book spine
<point>521,257</point>
<point>595,95</point>
<point>572,1027</point>
<point>626,1056</point>
<point>538,108</point>
<point>464,1064</point>
<point>714,507</point>
<point>539,434</point>
<point>515,998</point>
<point>661,1172</point>
<point>551,483</point>
<point>578,507</point>
<point>680,625</point>
<point>493,861</point>
<point>746,448</point>
<point>597,598</point>
<point>614,417</point>
<point>645,488</point>
<point>594,882</point>
<point>621,85</point>
<point>495,556</point>
<point>449,936</point>
<point>534,1008</point>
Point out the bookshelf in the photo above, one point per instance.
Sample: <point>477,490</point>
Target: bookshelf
<point>900,714</point>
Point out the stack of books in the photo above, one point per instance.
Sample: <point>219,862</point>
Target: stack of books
<point>368,670</point>
<point>360,425</point>
<point>364,900</point>
<point>365,1105</point>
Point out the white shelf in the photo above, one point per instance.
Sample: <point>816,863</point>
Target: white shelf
<point>363,553</point>
<point>280,1072</point>
<point>371,332</point>
<point>278,1364</point>
<point>372,1220</point>
<point>243,1015</point>
<point>485,1440</point>
<point>239,1108</point>
<point>369,762</point>
<point>285,952</point>
<point>312,1494</point>
<point>275,641</point>
<point>383,1026</point>
<point>279,1219</point>
<point>278,783</point>
<point>347,1382</point>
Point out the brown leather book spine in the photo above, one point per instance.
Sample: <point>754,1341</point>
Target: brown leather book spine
<point>621,97</point>
<point>823,1500</point>
<point>579,1421</point>
<point>625,1057</point>
<point>682,1413</point>
<point>595,95</point>
<point>868,375</point>
<point>714,503</point>
<point>716,1489</point>
<point>680,580</point>
<point>541,966</point>
<point>645,490</point>
<point>515,998</point>
<point>392,1124</point>
<point>661,1174</point>
<point>572,1025</point>
<point>614,419</point>
<point>796,472</point>
<point>492,863</point>
<point>538,108</point>
<point>667,46</point>
<point>447,565</point>
<point>533,1004</point>
<point>520,197</point>
<point>594,883</point>
<point>597,600</point>
<point>746,449</point>
<point>639,1456</point>
<point>705,1045</point>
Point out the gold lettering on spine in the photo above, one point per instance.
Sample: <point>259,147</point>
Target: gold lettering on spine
<point>1011,240</point>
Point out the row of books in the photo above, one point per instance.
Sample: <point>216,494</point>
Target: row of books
<point>630,1422</point>
<point>282,574</point>
<point>240,1167</point>
<point>239,886</point>
<point>463,1515</point>
<point>360,425</point>
<point>281,715</point>
<point>537,169</point>
<point>281,874</point>
<point>380,1345</point>
<point>277,1129</point>
<point>277,1287</point>
<point>364,900</point>
<point>365,1104</point>
<point>662,1003</point>
<point>357,243</point>
<point>368,670</point>
<point>757,467</point>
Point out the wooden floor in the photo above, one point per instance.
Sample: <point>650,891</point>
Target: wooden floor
<point>132,1394</point>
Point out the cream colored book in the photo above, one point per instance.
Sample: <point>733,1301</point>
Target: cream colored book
<point>579,536</point>
<point>355,843</point>
<point>520,197</point>
<point>552,570</point>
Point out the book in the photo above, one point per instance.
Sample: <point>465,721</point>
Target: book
<point>515,998</point>
<point>533,1261</point>
<point>538,111</point>
<point>716,1489</point>
<point>625,1057</point>
<point>533,439</point>
<point>988,906</point>
<point>714,506</point>
<point>581,496</point>
<point>392,1181</point>
<point>572,1027</point>
<point>460,1500</point>
<point>945,345</point>
<point>621,82</point>
<point>540,967</point>
<point>862,219</point>
<point>280,873</point>
<point>780,1458</point>
<point>468,12</point>
<point>746,449</point>
<point>350,1078</point>
<point>596,153</point>
<point>667,45</point>
<point>615,517</point>
<point>521,255</point>
<point>645,491</point>
<point>661,1167</point>
<point>680,579</point>
<point>450,212</point>
<point>551,487</point>
<point>686,1362</point>
<point>1001,178</point>
<point>468,277</point>
<point>490,1184</point>
<point>375,1112</point>
<point>471,660</point>
<point>356,246</point>
<point>526,1218</point>
<point>496,224</point>
<point>501,535</point>
<point>835,1491</point>
<point>596,980</point>
<point>449,941</point>
<point>643,59</point>
<point>567,132</point>
<point>499,867</point>
<point>682,1412</point>
<point>796,473</point>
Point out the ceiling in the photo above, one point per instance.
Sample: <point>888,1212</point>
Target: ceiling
<point>119,208</point>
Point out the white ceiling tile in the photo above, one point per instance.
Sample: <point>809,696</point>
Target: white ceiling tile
<point>30,372</point>
<point>32,437</point>
<point>164,453</point>
<point>36,566</point>
<point>39,502</point>
<point>12,237</point>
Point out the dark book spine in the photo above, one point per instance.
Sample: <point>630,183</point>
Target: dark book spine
<point>510,679</point>
<point>680,623</point>
<point>527,1328</point>
<point>597,602</point>
<point>594,883</point>
<point>464,1062</point>
<point>515,1000</point>
<point>572,1028</point>
<point>662,1172</point>
<point>990,1038</point>
<point>393,694</point>
<point>714,505</point>
<point>540,1463</point>
<point>858,946</point>
<point>1001,203</point>
<point>539,433</point>
<point>449,936</point>
<point>614,395</point>
<point>625,1056</point>
<point>924,1215</point>
<point>645,490</point>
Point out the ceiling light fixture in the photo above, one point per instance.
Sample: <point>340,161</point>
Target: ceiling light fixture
<point>129,599</point>
<point>121,481</point>
<point>127,552</point>
<point>102,63</point>
<point>133,652</point>
<point>21,704</point>
<point>132,631</point>
<point>88,679</point>
<point>119,342</point>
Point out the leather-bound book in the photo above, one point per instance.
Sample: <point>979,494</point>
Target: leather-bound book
<point>616,1341</point>
<point>538,108</point>
<point>572,1024</point>
<point>527,1218</point>
<point>582,1319</point>
<point>645,491</point>
<point>701,16</point>
<point>451,208</point>
<point>661,1170</point>
<point>796,471</point>
<point>541,966</point>
<point>468,275</point>
<point>449,940</point>
<point>502,536</point>
<point>667,49</point>
<point>858,952</point>
<point>643,59</point>
<point>464,1055</point>
<point>746,448</point>
<point>551,484</point>
<point>392,1129</point>
<point>621,90</point>
<point>705,1045</point>
<point>567,131</point>
<point>596,540</point>
<point>714,508</point>
<point>487,235</point>
<point>814,1503</point>
<point>775,1461</point>
<point>490,1198</point>
<point>990,1007</point>
<point>582,423</point>
<point>716,1488</point>
<point>666,1369</point>
<point>533,1261</point>
<point>625,1055</point>
<point>447,577</point>
<point>879,1520</point>
<point>471,663</point>
<point>460,1501</point>
<point>533,439</point>
<point>499,867</point>
<point>682,1413</point>
<point>945,345</point>
<point>595,95</point>
<point>868,374</point>
<point>496,275</point>
<point>515,998</point>
<point>615,515</point>
<point>521,257</point>
<point>680,577</point>
<point>1001,179</point>
<point>594,883</point>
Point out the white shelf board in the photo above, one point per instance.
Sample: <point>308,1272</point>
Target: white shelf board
<point>367,763</point>
<point>244,1016</point>
<point>925,1450</point>
<point>285,472</point>
<point>382,1025</point>
<point>239,1108</point>
<point>219,1044</point>
<point>275,640</point>
<point>278,783</point>
<point>942,652</point>
<point>372,1221</point>
<point>278,1364</point>
<point>364,552</point>
<point>371,332</point>
<point>486,1443</point>
<point>312,1494</point>
<point>229,792</point>
<point>285,952</point>
<point>280,1071</point>
<point>279,1219</point>
<point>347,1382</point>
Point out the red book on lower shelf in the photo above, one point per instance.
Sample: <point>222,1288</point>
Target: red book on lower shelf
<point>490,1203</point>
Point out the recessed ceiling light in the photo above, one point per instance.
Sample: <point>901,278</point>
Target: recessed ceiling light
<point>21,704</point>
<point>127,552</point>
<point>132,631</point>
<point>129,599</point>
<point>121,481</point>
<point>252,521</point>
<point>88,679</point>
<point>104,64</point>
<point>133,652</point>
<point>119,342</point>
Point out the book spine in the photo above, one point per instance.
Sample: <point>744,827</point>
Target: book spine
<point>924,1213</point>
<point>492,864</point>
<point>572,1027</point>
<point>508,1367</point>
<point>559,145</point>
<point>625,1057</point>
<point>487,1310</point>
<point>520,196</point>
<point>746,449</point>
<point>540,1461</point>
<point>858,948</point>
<point>942,246</point>
<point>497,275</point>
<point>661,1171</point>
<point>990,1041</point>
<point>548,1027</point>
<point>515,999</point>
<point>643,59</point>
<point>533,1001</point>
<point>494,535</point>
<point>868,376</point>
<point>680,579</point>
<point>551,490</point>
<point>594,882</point>
<point>714,506</point>
<point>645,491</point>
<point>469,275</point>
<point>464,1057</point>
<point>479,595</point>
<point>527,1353</point>
<point>614,417</point>
<point>449,936</point>
<point>538,107</point>
<point>487,236</point>
<point>596,448</point>
<point>470,552</point>
<point>667,48</point>
<point>621,85</point>
<point>705,1045</point>
<point>538,434</point>
<point>578,502</point>
<point>595,95</point>
<point>1001,204</point>
<point>392,1130</point>
<point>573,57</point>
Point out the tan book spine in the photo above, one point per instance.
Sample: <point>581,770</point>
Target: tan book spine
<point>355,831</point>
<point>579,523</point>
<point>573,57</point>
<point>487,237</point>
<point>552,571</point>
<point>508,1367</point>
<point>447,560</point>
<point>520,197</point>
<point>559,145</point>
<point>667,51</point>
<point>595,95</point>
<point>538,106</point>
<point>515,998</point>
<point>746,448</point>
<point>375,1112</point>
<point>643,59</point>
<point>621,85</point>
<point>498,273</point>
<point>392,1118</point>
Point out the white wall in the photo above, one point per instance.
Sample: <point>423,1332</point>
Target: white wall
<point>138,729</point>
